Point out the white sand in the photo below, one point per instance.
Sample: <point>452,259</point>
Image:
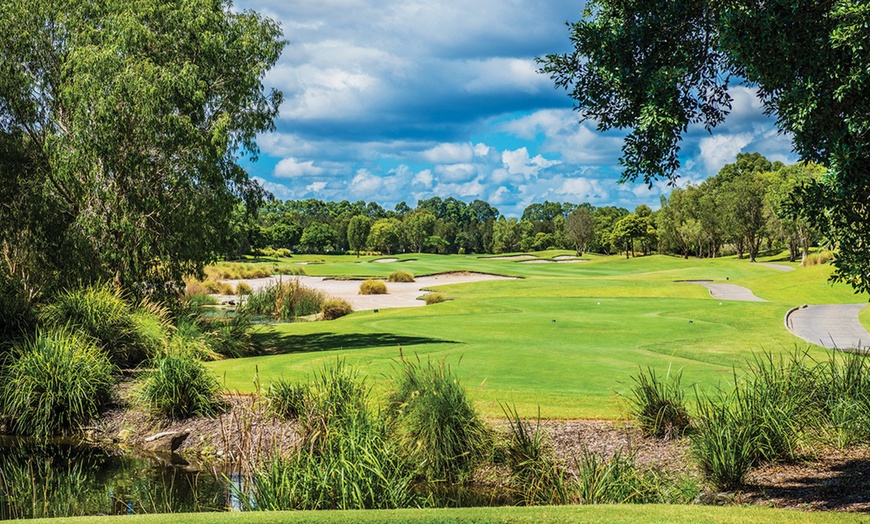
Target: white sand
<point>511,257</point>
<point>385,260</point>
<point>399,294</point>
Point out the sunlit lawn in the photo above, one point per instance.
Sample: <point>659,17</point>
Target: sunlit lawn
<point>565,338</point>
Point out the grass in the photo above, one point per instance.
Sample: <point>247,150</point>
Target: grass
<point>864,317</point>
<point>179,386</point>
<point>612,316</point>
<point>373,287</point>
<point>605,514</point>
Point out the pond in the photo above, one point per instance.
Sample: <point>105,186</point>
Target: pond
<point>63,479</point>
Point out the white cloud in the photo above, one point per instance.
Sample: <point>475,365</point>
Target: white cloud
<point>292,168</point>
<point>366,184</point>
<point>449,153</point>
<point>316,187</point>
<point>580,190</point>
<point>424,178</point>
<point>720,149</point>
<point>456,172</point>
<point>519,162</point>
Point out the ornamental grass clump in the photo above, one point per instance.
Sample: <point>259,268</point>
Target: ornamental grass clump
<point>536,476</point>
<point>333,308</point>
<point>179,386</point>
<point>659,404</point>
<point>56,381</point>
<point>434,421</point>
<point>336,394</point>
<point>285,300</point>
<point>287,399</point>
<point>373,287</point>
<point>433,298</point>
<point>400,276</point>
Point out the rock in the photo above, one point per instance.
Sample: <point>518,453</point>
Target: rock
<point>167,441</point>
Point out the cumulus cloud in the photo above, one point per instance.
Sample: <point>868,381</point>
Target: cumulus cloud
<point>292,168</point>
<point>449,153</point>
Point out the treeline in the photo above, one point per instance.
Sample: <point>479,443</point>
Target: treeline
<point>747,206</point>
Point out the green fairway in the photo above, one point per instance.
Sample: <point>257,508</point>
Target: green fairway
<point>621,514</point>
<point>566,337</point>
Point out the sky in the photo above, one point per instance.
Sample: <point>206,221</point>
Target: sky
<point>390,101</point>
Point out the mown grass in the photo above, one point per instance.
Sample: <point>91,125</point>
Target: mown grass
<point>565,337</point>
<point>864,317</point>
<point>606,514</point>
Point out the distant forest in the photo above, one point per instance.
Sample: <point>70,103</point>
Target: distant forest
<point>749,206</point>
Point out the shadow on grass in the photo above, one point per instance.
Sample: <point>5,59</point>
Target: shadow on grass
<point>278,344</point>
<point>839,484</point>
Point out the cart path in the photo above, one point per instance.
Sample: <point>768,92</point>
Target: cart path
<point>778,267</point>
<point>727,291</point>
<point>834,326</point>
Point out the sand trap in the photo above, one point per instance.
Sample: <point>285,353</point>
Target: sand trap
<point>385,260</point>
<point>778,267</point>
<point>571,261</point>
<point>727,291</point>
<point>538,261</point>
<point>511,257</point>
<point>564,257</point>
<point>400,294</point>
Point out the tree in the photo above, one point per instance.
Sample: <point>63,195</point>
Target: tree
<point>358,232</point>
<point>318,238</point>
<point>580,228</point>
<point>418,227</point>
<point>656,67</point>
<point>129,119</point>
<point>384,235</point>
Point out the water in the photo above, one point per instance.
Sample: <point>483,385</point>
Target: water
<point>65,479</point>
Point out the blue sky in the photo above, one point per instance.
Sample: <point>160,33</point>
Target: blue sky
<point>393,101</point>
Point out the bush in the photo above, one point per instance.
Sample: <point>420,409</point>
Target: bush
<point>536,476</point>
<point>373,287</point>
<point>723,444</point>
<point>433,298</point>
<point>286,399</point>
<point>617,480</point>
<point>658,405</point>
<point>57,381</point>
<point>285,300</point>
<point>815,259</point>
<point>180,386</point>
<point>243,288</point>
<point>103,313</point>
<point>400,276</point>
<point>334,308</point>
<point>230,336</point>
<point>435,422</point>
<point>336,395</point>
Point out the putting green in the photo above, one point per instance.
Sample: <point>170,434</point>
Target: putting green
<point>566,338</point>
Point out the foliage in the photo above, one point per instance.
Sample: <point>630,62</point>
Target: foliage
<point>400,276</point>
<point>129,118</point>
<point>103,313</point>
<point>618,480</point>
<point>434,298</point>
<point>434,421</point>
<point>815,259</point>
<point>333,308</point>
<point>336,396</point>
<point>373,287</point>
<point>179,386</point>
<point>284,300</point>
<point>358,232</point>
<point>659,405</point>
<point>243,288</point>
<point>56,381</point>
<point>287,399</point>
<point>658,66</point>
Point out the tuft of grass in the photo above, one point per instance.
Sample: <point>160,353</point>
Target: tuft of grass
<point>333,308</point>
<point>56,381</point>
<point>180,387</point>
<point>433,419</point>
<point>615,480</point>
<point>285,300</point>
<point>243,288</point>
<point>287,399</point>
<point>400,276</point>
<point>535,474</point>
<point>659,404</point>
<point>433,298</point>
<point>815,259</point>
<point>337,393</point>
<point>102,313</point>
<point>723,445</point>
<point>373,287</point>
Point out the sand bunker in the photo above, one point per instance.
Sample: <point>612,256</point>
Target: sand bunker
<point>511,257</point>
<point>385,260</point>
<point>564,257</point>
<point>400,294</point>
<point>538,261</point>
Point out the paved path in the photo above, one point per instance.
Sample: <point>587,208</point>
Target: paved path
<point>778,267</point>
<point>834,326</point>
<point>728,291</point>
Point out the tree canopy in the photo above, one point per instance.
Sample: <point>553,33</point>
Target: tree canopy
<point>656,67</point>
<point>123,123</point>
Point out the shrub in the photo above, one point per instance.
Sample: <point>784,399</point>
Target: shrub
<point>285,300</point>
<point>815,259</point>
<point>373,287</point>
<point>617,480</point>
<point>336,395</point>
<point>334,308</point>
<point>56,381</point>
<point>433,298</point>
<point>180,386</point>
<point>723,444</point>
<point>435,422</point>
<point>658,405</point>
<point>400,276</point>
<point>151,326</point>
<point>230,336</point>
<point>100,312</point>
<point>243,288</point>
<point>287,399</point>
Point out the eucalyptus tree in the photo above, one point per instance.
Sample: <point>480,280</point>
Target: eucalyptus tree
<point>657,67</point>
<point>129,120</point>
